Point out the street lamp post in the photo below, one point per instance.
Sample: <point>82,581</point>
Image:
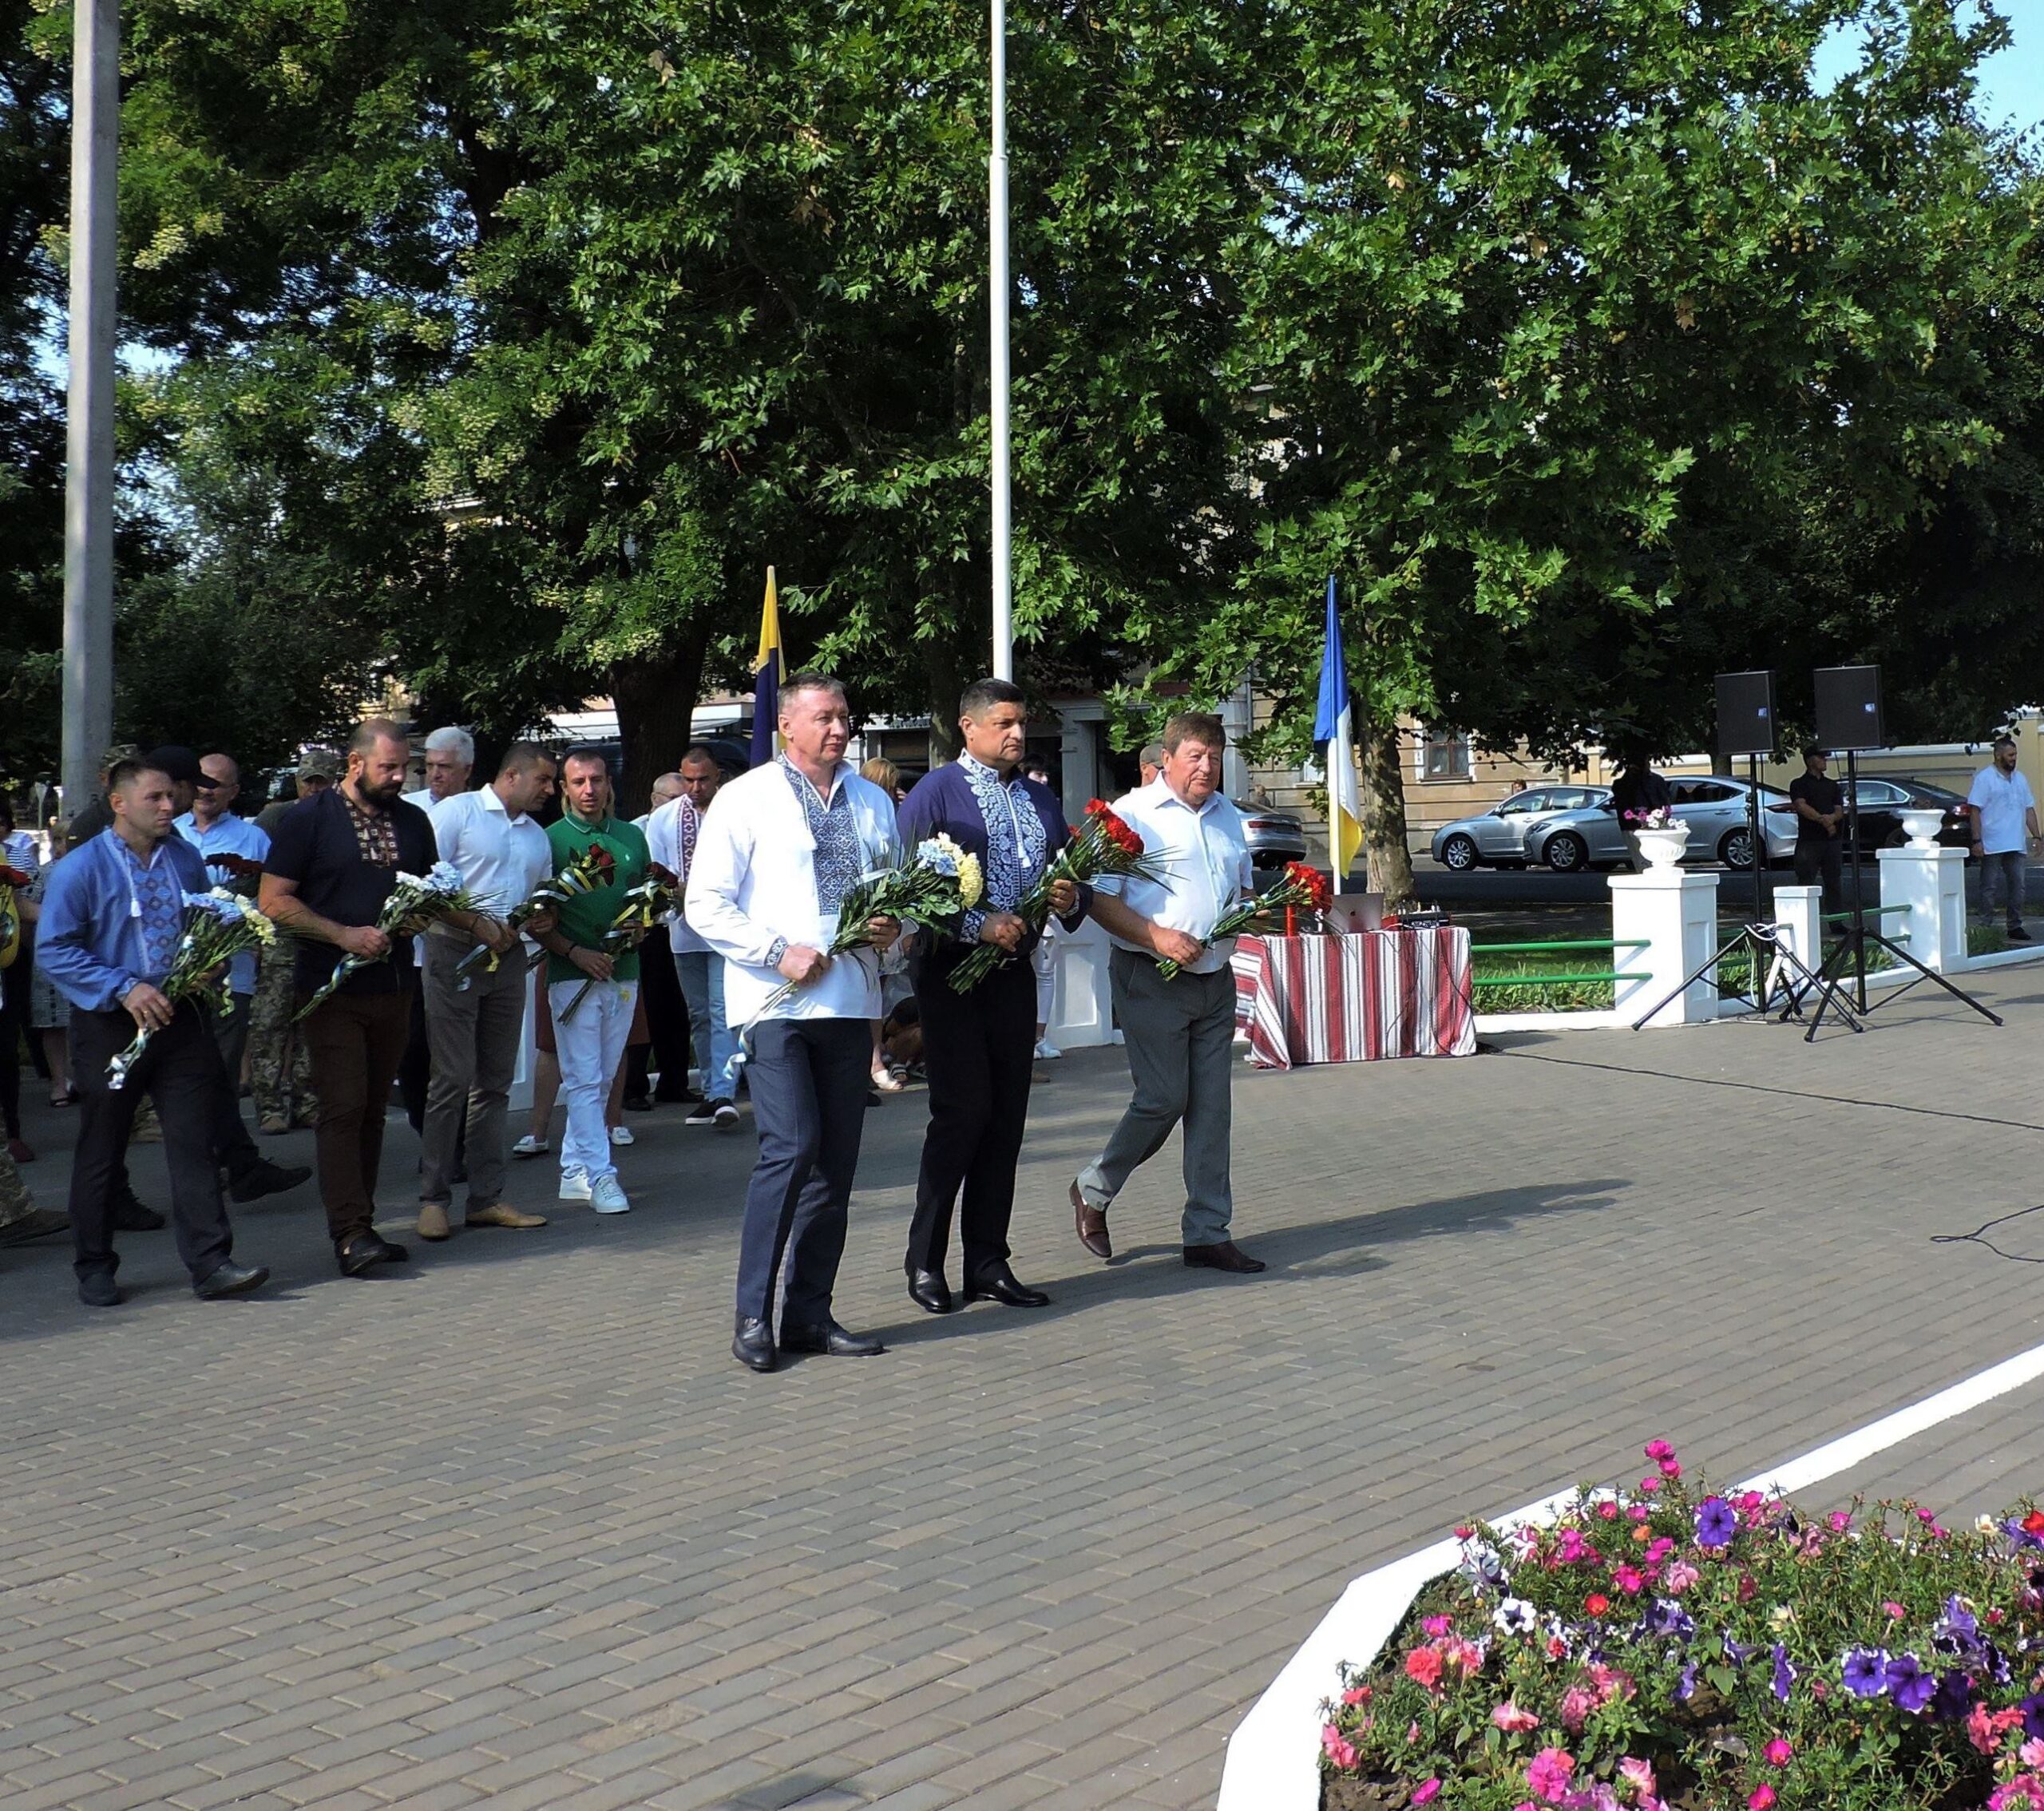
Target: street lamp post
<point>997,291</point>
<point>88,407</point>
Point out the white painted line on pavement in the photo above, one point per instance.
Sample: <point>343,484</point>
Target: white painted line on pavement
<point>1273,1756</point>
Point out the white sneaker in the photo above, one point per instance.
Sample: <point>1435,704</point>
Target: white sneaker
<point>623,1135</point>
<point>574,1185</point>
<point>529,1146</point>
<point>608,1198</point>
<point>1047,1052</point>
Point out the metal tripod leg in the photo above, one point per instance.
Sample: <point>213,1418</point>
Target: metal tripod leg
<point>1830,997</point>
<point>1743,935</point>
<point>1924,973</point>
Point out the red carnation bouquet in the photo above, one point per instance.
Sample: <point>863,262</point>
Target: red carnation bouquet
<point>1104,844</point>
<point>241,874</point>
<point>1299,888</point>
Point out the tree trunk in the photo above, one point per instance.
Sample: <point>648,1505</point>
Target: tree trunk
<point>1384,848</point>
<point>945,681</point>
<point>655,694</point>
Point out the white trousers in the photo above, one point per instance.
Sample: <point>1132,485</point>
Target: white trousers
<point>590,1047</point>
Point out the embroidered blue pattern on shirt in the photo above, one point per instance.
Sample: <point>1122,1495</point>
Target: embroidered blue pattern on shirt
<point>836,834</point>
<point>157,891</point>
<point>1012,867</point>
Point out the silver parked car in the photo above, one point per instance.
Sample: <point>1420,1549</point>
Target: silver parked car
<point>1713,806</point>
<point>1274,838</point>
<point>1497,837</point>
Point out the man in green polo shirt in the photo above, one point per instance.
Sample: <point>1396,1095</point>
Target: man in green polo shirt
<point>590,1040</point>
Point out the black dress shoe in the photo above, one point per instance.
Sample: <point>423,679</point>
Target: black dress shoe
<point>365,1251</point>
<point>637,1103</point>
<point>1226,1256</point>
<point>99,1290</point>
<point>1002,1285</point>
<point>929,1292</point>
<point>130,1215</point>
<point>832,1340</point>
<point>230,1278</point>
<point>263,1177</point>
<point>752,1346</point>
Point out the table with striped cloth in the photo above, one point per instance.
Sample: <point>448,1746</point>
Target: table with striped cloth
<point>1356,997</point>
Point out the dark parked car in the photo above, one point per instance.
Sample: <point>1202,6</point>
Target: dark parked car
<point>1882,802</point>
<point>1274,838</point>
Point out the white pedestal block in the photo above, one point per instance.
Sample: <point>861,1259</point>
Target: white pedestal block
<point>1082,1008</point>
<point>1798,910</point>
<point>1931,882</point>
<point>1676,915</point>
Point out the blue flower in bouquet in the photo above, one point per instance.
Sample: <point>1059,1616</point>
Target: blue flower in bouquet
<point>1906,1682</point>
<point>1865,1671</point>
<point>1715,1522</point>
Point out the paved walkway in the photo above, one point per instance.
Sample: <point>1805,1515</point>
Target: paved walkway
<point>512,1528</point>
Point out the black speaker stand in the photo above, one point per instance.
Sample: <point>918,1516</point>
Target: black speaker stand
<point>1769,954</point>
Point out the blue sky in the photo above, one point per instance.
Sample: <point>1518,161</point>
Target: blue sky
<point>2012,82</point>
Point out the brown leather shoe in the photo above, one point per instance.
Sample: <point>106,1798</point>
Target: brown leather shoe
<point>1091,1224</point>
<point>501,1213</point>
<point>1226,1256</point>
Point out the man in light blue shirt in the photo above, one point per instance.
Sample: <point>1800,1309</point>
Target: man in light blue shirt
<point>2004,833</point>
<point>111,916</point>
<point>211,827</point>
<point>1179,1033</point>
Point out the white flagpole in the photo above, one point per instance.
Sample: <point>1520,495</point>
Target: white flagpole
<point>998,288</point>
<point>1341,759</point>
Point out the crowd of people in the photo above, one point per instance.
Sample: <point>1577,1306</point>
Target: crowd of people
<point>740,988</point>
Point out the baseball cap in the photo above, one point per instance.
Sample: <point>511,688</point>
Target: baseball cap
<point>319,763</point>
<point>179,762</point>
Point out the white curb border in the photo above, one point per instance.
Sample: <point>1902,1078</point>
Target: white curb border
<point>1273,1756</point>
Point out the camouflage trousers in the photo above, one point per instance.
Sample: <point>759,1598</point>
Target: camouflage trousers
<point>15,1203</point>
<point>279,1064</point>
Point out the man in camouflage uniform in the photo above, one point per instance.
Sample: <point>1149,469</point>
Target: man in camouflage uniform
<point>279,1064</point>
<point>21,1220</point>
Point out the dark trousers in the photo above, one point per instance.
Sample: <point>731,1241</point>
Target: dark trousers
<point>809,1079</point>
<point>229,1037</point>
<point>356,1041</point>
<point>667,1020</point>
<point>415,1068</point>
<point>13,1021</point>
<point>978,1048</point>
<point>1813,859</point>
<point>180,1071</point>
<point>2005,872</point>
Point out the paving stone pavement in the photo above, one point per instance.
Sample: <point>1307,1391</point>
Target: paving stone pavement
<point>511,1527</point>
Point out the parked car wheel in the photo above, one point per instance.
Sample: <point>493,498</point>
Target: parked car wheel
<point>1566,853</point>
<point>1459,853</point>
<point>1736,850</point>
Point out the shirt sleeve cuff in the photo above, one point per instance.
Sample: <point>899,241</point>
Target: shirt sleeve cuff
<point>970,924</point>
<point>775,951</point>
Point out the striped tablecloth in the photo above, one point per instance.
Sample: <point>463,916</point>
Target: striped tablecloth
<point>1357,997</point>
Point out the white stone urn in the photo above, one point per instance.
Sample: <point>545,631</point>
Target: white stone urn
<point>1923,826</point>
<point>1663,847</point>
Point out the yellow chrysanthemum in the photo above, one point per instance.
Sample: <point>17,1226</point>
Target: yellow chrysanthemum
<point>971,883</point>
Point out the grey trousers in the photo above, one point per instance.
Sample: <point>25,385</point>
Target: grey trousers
<point>1179,1034</point>
<point>473,1039</point>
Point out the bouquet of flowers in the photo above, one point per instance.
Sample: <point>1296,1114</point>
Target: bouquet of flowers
<point>242,874</point>
<point>1661,817</point>
<point>927,892</point>
<point>218,926</point>
<point>1299,888</point>
<point>642,908</point>
<point>415,902</point>
<point>1104,845</point>
<point>10,914</point>
<point>591,869</point>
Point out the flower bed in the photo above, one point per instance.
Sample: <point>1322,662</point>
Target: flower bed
<point>1665,1648</point>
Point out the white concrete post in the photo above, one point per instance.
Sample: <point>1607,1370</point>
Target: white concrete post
<point>1676,913</point>
<point>1082,1009</point>
<point>1931,882</point>
<point>1798,910</point>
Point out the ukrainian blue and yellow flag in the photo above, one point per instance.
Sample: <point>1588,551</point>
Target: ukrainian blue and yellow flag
<point>767,678</point>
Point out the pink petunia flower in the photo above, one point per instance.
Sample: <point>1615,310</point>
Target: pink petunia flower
<point>1337,1747</point>
<point>1680,1575</point>
<point>2031,1754</point>
<point>1759,1798</point>
<point>1656,1450</point>
<point>1426,1794</point>
<point>1548,1775</point>
<point>1423,1666</point>
<point>1638,1774</point>
<point>1513,1721</point>
<point>1838,1521</point>
<point>1778,1753</point>
<point>1438,1625</point>
<point>1628,1579</point>
<point>1650,1485</point>
<point>1357,1695</point>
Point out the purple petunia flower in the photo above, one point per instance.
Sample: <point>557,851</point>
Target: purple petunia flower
<point>1906,1682</point>
<point>1785,1673</point>
<point>1954,1699</point>
<point>1685,1686</point>
<point>1715,1522</point>
<point>1866,1671</point>
<point>1957,1631</point>
<point>2032,1715</point>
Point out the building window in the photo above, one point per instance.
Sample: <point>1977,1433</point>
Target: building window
<point>1446,755</point>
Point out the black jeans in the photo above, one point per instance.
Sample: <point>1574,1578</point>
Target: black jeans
<point>809,1079</point>
<point>180,1071</point>
<point>978,1048</point>
<point>1813,859</point>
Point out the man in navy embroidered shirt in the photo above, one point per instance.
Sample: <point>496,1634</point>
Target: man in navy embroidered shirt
<point>111,920</point>
<point>979,1046</point>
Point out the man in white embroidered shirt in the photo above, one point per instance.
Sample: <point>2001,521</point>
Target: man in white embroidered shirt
<point>475,1021</point>
<point>777,852</point>
<point>1179,1033</point>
